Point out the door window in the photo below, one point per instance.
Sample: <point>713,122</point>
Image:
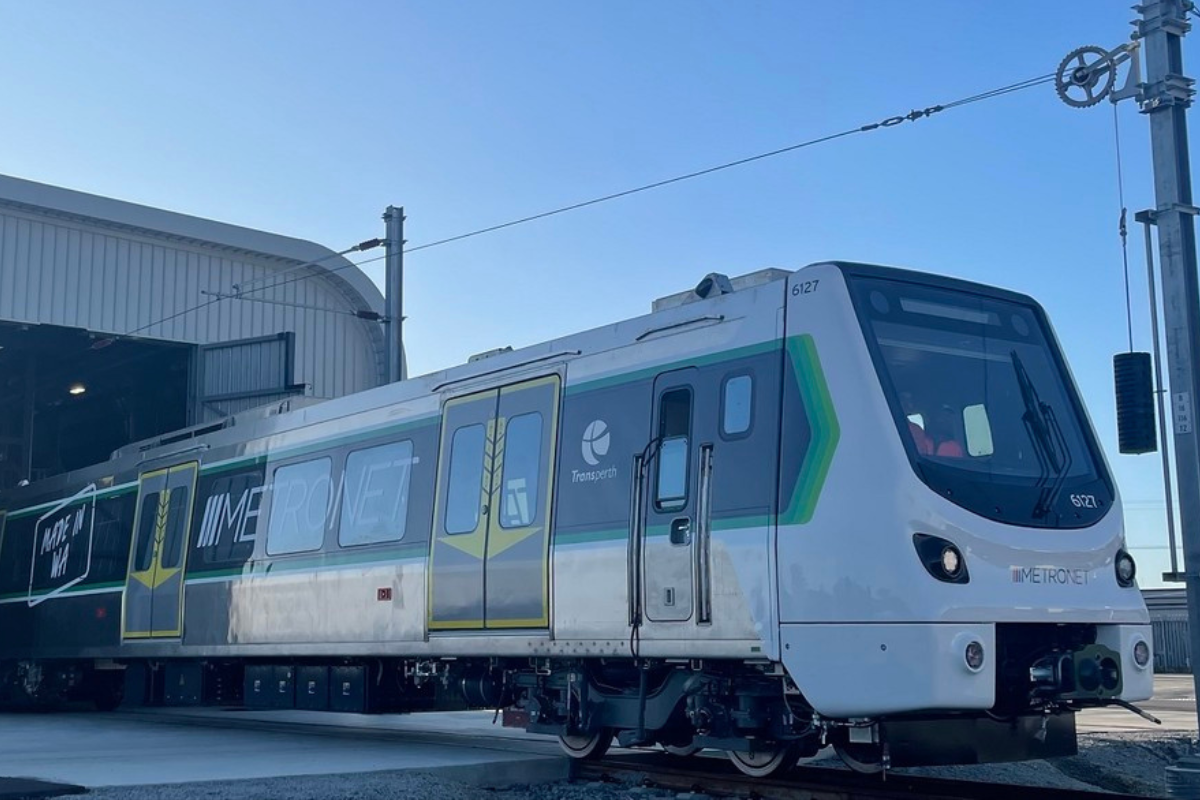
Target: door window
<point>466,479</point>
<point>522,465</point>
<point>145,542</point>
<point>175,525</point>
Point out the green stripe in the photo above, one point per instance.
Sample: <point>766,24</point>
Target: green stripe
<point>240,463</point>
<point>823,424</point>
<point>693,361</point>
<point>619,534</point>
<point>585,537</point>
<point>115,491</point>
<point>77,589</point>
<point>737,523</point>
<point>341,558</point>
<point>232,464</point>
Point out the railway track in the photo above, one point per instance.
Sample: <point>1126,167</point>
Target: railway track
<point>714,777</point>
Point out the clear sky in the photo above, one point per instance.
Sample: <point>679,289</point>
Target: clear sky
<point>308,118</point>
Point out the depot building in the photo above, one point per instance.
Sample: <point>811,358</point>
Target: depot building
<point>120,322</point>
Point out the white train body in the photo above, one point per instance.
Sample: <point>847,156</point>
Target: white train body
<point>846,505</point>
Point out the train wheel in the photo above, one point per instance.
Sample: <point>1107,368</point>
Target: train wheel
<point>767,760</point>
<point>587,746</point>
<point>864,758</point>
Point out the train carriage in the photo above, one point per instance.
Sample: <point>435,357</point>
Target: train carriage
<point>848,505</point>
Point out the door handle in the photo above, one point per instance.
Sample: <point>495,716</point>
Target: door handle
<point>681,531</point>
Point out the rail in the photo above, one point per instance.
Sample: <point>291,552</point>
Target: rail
<point>716,777</point>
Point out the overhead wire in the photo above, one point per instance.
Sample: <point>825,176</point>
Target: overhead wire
<point>889,122</point>
<point>247,287</point>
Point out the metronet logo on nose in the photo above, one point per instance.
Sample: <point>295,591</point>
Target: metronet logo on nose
<point>595,442</point>
<point>1057,575</point>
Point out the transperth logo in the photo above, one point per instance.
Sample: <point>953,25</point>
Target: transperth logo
<point>596,440</point>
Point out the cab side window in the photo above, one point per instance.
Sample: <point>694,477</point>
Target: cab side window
<point>737,404</point>
<point>674,431</point>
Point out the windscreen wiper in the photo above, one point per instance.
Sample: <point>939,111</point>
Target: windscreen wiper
<point>1050,445</point>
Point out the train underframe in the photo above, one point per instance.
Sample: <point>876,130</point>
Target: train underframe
<point>751,710</point>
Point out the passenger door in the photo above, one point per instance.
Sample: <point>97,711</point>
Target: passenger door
<point>675,508</point>
<point>489,559</point>
<point>153,603</point>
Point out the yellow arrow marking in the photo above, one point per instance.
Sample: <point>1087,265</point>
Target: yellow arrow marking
<point>502,539</point>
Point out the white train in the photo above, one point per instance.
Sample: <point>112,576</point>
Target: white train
<point>849,506</point>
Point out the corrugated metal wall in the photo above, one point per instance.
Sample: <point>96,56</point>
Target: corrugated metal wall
<point>1171,643</point>
<point>1168,616</point>
<point>235,376</point>
<point>99,276</point>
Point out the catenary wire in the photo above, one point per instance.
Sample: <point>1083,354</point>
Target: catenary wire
<point>911,116</point>
<point>246,287</point>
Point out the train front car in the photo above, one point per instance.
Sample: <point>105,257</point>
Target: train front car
<point>961,587</point>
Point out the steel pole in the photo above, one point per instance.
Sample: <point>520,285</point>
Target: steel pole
<point>397,369</point>
<point>1165,98</point>
<point>1160,390</point>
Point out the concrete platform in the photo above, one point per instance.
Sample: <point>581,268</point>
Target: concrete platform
<point>448,726</point>
<point>130,749</point>
<point>25,789</point>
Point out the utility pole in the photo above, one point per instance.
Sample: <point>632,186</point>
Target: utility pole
<point>1085,77</point>
<point>397,369</point>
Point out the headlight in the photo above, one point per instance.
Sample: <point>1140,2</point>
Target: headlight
<point>1141,653</point>
<point>950,561</point>
<point>1126,568</point>
<point>973,655</point>
<point>941,558</point>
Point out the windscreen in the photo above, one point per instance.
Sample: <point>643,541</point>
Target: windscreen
<point>983,404</point>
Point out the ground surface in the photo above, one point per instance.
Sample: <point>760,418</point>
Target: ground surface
<point>211,754</point>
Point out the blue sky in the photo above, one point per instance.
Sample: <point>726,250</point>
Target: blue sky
<point>308,118</point>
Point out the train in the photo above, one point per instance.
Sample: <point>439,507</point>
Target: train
<point>845,506</point>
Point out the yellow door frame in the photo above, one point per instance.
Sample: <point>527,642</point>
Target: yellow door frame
<point>150,577</point>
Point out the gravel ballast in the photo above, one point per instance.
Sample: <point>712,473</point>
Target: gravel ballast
<point>1131,763</point>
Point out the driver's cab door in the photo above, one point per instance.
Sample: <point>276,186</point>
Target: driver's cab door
<point>671,543</point>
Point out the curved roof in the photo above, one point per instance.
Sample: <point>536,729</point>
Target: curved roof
<point>350,282</point>
<point>356,286</point>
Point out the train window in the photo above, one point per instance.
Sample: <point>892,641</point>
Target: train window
<point>300,497</point>
<point>375,494</point>
<point>466,479</point>
<point>110,543</point>
<point>674,429</point>
<point>1002,432</point>
<point>144,556</point>
<point>522,464</point>
<point>737,402</point>
<point>173,535</point>
<point>978,431</point>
